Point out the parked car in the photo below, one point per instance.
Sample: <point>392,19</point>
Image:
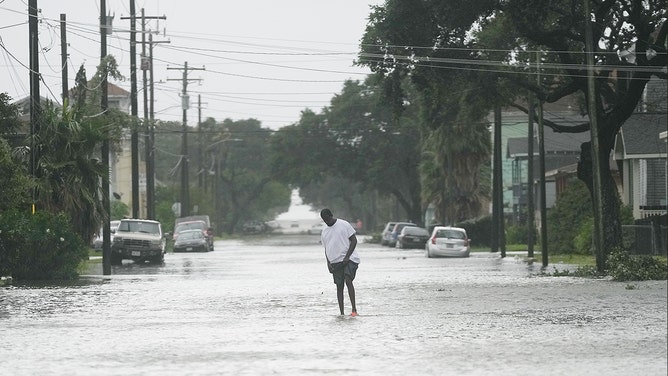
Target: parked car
<point>191,241</point>
<point>316,229</point>
<point>97,242</point>
<point>412,237</point>
<point>386,235</point>
<point>138,240</point>
<point>253,227</point>
<point>194,225</point>
<point>392,242</point>
<point>448,242</point>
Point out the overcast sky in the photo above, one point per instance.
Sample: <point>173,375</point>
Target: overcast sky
<point>263,59</point>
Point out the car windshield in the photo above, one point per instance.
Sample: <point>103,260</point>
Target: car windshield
<point>400,226</point>
<point>190,235</point>
<point>139,226</point>
<point>452,234</point>
<point>189,226</point>
<point>410,230</point>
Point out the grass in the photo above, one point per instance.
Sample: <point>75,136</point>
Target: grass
<point>575,259</point>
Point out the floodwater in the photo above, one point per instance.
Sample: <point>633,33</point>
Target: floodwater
<point>268,307</point>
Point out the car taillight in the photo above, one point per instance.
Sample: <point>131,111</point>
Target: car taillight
<point>466,242</point>
<point>433,240</point>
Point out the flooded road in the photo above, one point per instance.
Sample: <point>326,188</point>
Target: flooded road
<point>269,306</point>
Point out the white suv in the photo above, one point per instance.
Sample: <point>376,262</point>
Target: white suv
<point>138,240</point>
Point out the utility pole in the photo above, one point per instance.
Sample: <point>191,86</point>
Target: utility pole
<point>147,64</point>
<point>134,138</point>
<point>35,107</point>
<point>543,195</point>
<point>106,230</point>
<point>596,158</point>
<point>202,177</point>
<point>63,56</point>
<point>499,239</point>
<point>185,184</point>
<point>150,179</point>
<point>530,178</point>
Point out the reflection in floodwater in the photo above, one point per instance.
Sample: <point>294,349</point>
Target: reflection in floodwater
<point>269,307</point>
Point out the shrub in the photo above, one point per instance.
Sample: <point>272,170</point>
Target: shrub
<point>519,234</point>
<point>566,218</point>
<point>479,230</point>
<point>39,246</point>
<point>625,267</point>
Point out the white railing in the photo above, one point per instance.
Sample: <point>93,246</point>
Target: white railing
<point>650,213</point>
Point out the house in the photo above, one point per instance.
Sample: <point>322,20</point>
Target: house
<point>641,156</point>
<point>561,151</point>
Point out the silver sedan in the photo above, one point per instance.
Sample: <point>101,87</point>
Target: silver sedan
<point>448,242</point>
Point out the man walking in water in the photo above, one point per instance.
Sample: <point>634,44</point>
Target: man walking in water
<point>340,241</point>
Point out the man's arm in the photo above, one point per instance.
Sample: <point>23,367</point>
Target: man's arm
<point>351,247</point>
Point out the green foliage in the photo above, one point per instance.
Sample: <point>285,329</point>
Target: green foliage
<point>567,218</point>
<point>519,234</point>
<point>622,266</point>
<point>39,246</point>
<point>357,141</point>
<point>119,210</point>
<point>583,271</point>
<point>9,115</point>
<point>570,222</point>
<point>15,186</point>
<point>70,171</point>
<point>479,231</point>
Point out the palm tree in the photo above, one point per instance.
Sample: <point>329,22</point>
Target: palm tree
<point>69,173</point>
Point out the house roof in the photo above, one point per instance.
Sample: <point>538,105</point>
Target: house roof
<point>639,136</point>
<point>112,91</point>
<point>115,90</point>
<point>555,143</point>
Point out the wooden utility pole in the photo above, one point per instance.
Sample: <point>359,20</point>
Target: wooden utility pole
<point>134,139</point>
<point>530,179</point>
<point>185,104</point>
<point>500,235</point>
<point>106,229</point>
<point>595,148</point>
<point>63,56</point>
<point>134,135</point>
<point>202,177</point>
<point>35,107</point>
<point>147,65</point>
<point>541,160</point>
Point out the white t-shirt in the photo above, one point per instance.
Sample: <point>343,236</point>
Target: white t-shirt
<point>336,243</point>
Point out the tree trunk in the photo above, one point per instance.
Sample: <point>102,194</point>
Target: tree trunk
<point>612,227</point>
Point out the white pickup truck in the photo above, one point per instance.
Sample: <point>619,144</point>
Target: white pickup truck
<point>138,240</point>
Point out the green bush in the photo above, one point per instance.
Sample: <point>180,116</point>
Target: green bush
<point>566,218</point>
<point>622,266</point>
<point>583,240</point>
<point>570,222</point>
<point>39,246</point>
<point>519,234</point>
<point>478,230</point>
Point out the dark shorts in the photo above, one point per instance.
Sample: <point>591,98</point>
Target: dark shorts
<point>340,270</point>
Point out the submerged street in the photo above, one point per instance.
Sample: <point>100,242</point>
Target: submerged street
<point>268,306</point>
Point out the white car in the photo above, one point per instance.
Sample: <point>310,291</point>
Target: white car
<point>386,234</point>
<point>448,242</point>
<point>316,229</point>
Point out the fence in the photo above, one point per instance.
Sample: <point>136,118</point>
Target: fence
<point>645,239</point>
